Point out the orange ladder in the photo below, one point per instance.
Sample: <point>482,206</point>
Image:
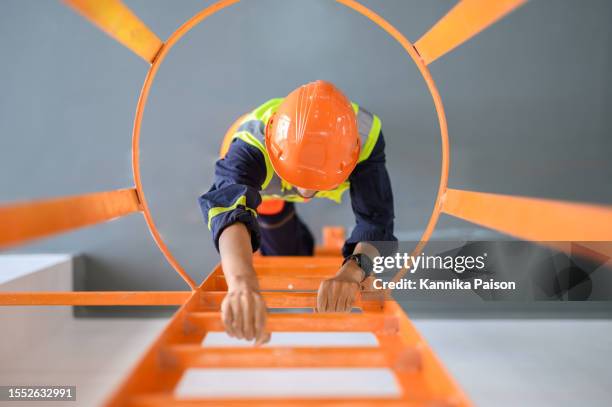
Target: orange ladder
<point>420,376</point>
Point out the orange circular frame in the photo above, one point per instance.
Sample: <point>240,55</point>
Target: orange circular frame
<point>211,10</point>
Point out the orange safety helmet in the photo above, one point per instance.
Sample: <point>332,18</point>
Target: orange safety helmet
<point>312,139</point>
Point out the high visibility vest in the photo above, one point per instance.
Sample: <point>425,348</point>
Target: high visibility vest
<point>251,130</point>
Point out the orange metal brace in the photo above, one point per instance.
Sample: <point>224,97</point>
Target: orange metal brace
<point>21,222</point>
<point>118,21</point>
<point>552,223</point>
<point>99,298</point>
<point>465,20</point>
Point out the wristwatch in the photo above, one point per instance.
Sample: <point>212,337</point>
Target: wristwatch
<point>363,261</point>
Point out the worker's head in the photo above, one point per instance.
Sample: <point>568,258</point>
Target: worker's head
<point>312,139</point>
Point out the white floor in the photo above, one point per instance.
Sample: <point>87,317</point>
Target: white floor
<point>498,363</point>
<point>527,362</point>
<point>93,354</point>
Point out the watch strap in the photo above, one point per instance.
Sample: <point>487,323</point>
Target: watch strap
<point>363,261</point>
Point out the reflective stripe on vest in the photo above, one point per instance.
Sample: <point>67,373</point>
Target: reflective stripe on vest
<point>252,131</point>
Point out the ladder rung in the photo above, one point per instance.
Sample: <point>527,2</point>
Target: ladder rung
<point>328,322</point>
<point>289,271</point>
<point>212,300</point>
<point>288,281</point>
<point>190,356</point>
<point>167,400</point>
<point>293,264</point>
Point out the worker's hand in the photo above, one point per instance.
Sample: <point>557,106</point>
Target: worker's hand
<point>243,311</point>
<point>338,293</point>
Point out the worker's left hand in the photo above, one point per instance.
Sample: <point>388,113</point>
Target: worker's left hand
<point>337,294</point>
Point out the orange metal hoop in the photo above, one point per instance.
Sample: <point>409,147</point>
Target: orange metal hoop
<point>209,11</point>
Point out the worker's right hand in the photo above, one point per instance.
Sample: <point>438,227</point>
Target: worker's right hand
<point>243,311</point>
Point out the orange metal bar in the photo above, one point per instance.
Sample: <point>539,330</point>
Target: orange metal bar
<point>462,22</point>
<point>532,218</point>
<point>95,298</point>
<point>431,372</point>
<point>211,300</point>
<point>288,282</point>
<point>117,20</point>
<point>333,240</point>
<point>189,356</point>
<point>331,322</point>
<point>539,220</point>
<point>295,264</point>
<point>24,221</point>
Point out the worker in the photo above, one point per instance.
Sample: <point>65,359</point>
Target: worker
<point>314,143</point>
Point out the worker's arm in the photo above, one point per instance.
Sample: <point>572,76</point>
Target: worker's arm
<point>229,211</point>
<point>243,309</point>
<point>372,203</point>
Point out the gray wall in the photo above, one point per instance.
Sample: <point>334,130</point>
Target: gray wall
<point>528,105</point>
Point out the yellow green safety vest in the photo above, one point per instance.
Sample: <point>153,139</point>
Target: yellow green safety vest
<point>251,130</point>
